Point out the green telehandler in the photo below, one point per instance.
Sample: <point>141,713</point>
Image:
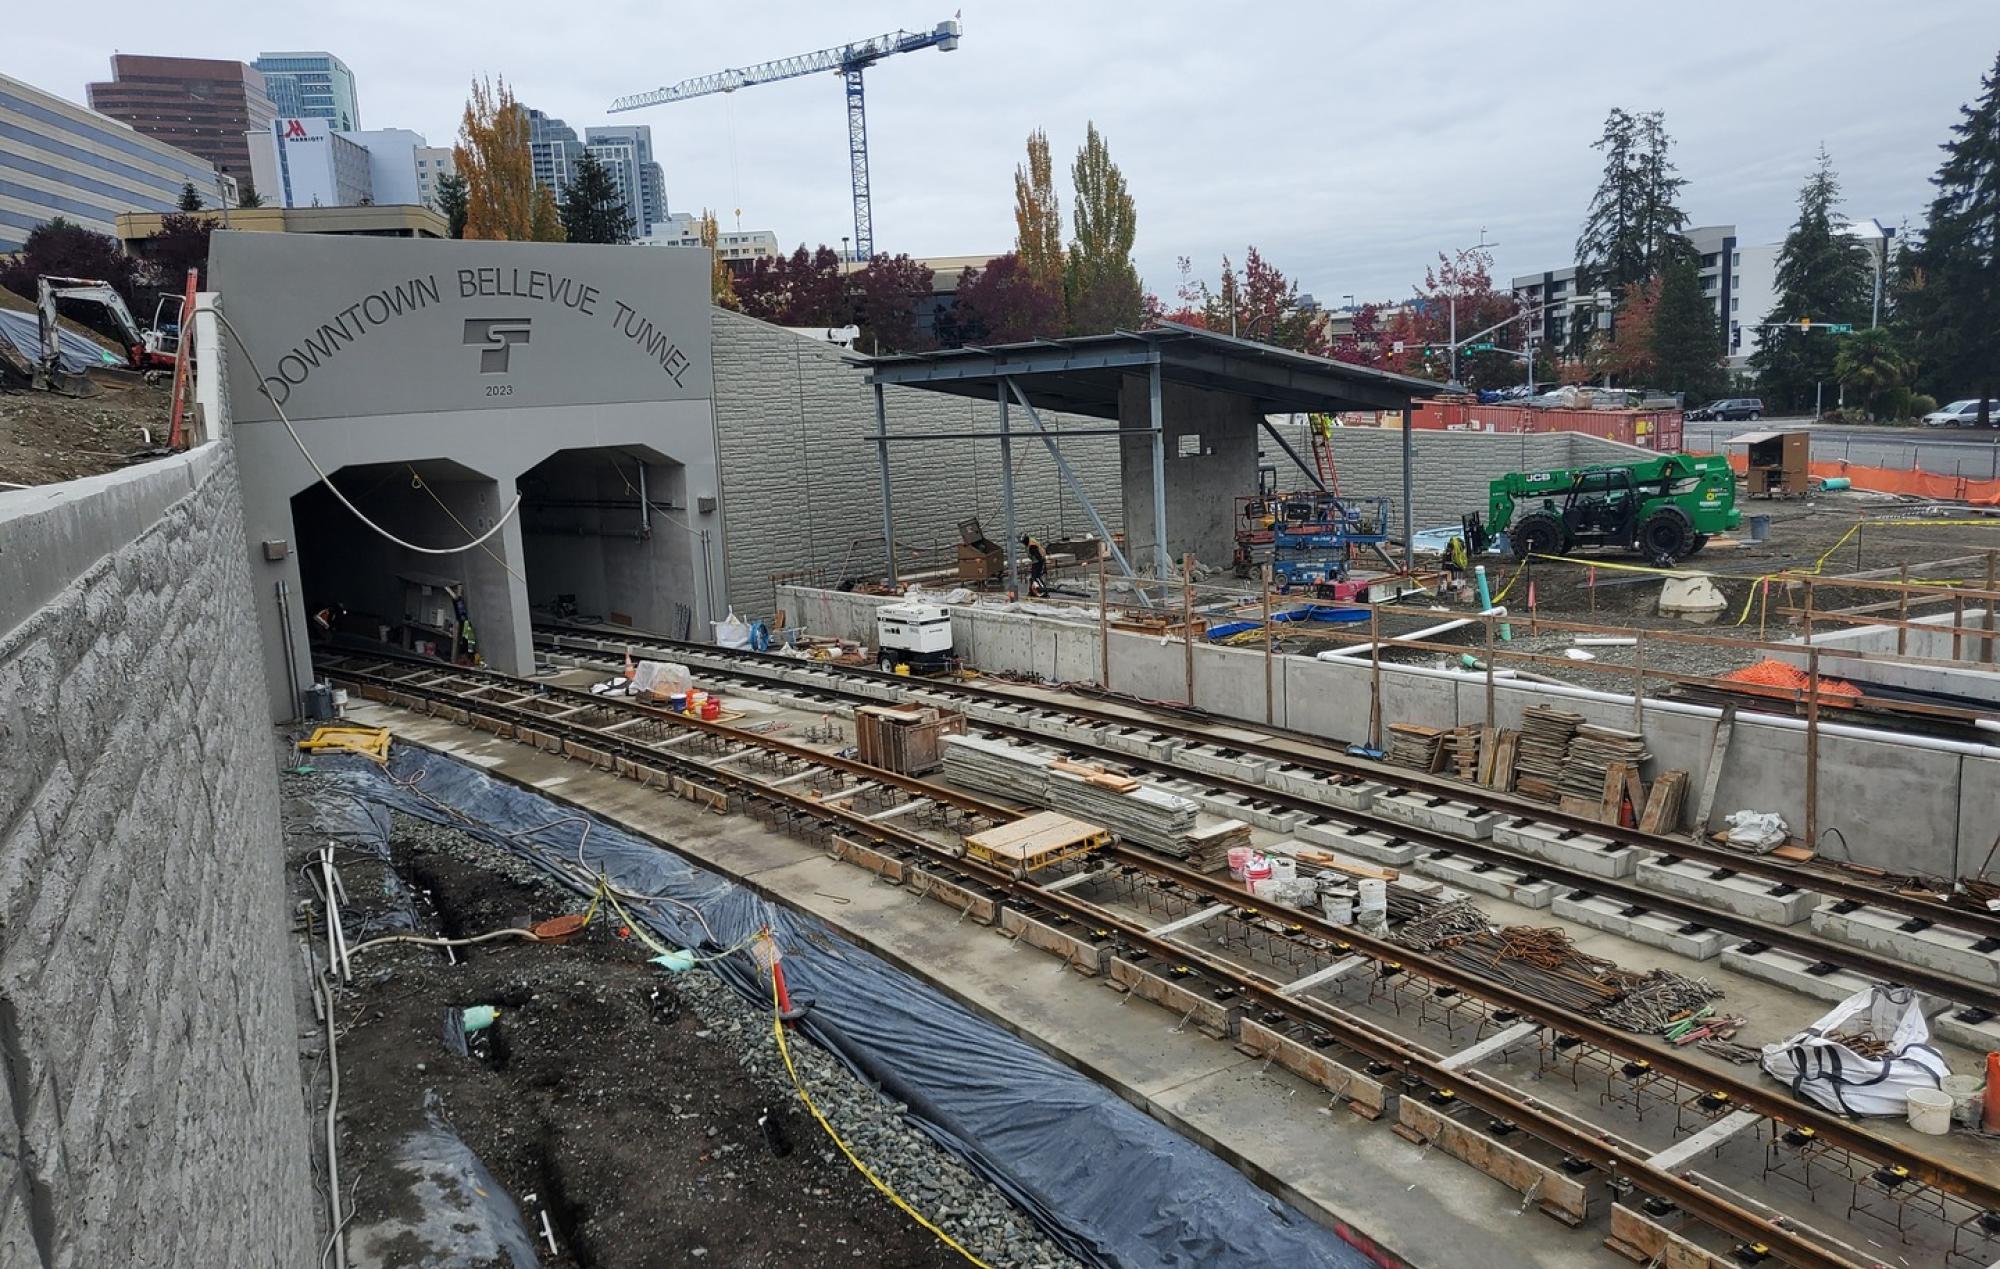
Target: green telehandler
<point>1664,508</point>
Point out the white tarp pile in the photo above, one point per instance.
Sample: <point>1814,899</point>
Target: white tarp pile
<point>1825,1064</point>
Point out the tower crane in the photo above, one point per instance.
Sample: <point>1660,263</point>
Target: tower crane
<point>850,60</point>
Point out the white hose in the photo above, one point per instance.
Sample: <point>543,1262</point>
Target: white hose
<point>327,480</point>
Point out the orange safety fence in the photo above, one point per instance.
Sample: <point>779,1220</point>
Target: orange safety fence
<point>1788,678</point>
<point>1891,480</point>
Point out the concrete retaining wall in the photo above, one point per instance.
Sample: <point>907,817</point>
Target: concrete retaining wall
<point>1899,806</point>
<point>148,1069</point>
<point>800,484</point>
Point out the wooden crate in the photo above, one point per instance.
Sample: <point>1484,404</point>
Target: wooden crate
<point>1035,842</point>
<point>908,740</point>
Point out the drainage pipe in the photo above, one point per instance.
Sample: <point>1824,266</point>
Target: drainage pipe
<point>1361,649</point>
<point>1935,744</point>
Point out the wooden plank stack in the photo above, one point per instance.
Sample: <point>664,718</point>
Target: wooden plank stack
<point>1415,746</point>
<point>1461,749</point>
<point>1593,752</point>
<point>1665,803</point>
<point>1496,763</point>
<point>1543,750</point>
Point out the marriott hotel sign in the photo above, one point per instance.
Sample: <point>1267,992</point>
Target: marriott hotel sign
<point>353,327</point>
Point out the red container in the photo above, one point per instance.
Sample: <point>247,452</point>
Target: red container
<point>711,709</point>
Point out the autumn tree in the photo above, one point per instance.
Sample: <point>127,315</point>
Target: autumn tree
<point>721,278</point>
<point>1364,342</point>
<point>1954,306</point>
<point>1260,303</point>
<point>1038,240</point>
<point>1626,353</point>
<point>502,198</point>
<point>805,288</point>
<point>181,244</point>
<point>1457,293</point>
<point>999,304</point>
<point>1686,340</point>
<point>452,201</point>
<point>1823,275</point>
<point>892,297</point>
<point>1100,284</point>
<point>63,248</point>
<point>592,208</point>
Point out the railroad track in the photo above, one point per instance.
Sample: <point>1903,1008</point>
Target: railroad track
<point>1312,752</point>
<point>809,789</point>
<point>1974,1002</point>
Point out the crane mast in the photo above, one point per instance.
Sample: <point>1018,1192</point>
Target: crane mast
<point>848,59</point>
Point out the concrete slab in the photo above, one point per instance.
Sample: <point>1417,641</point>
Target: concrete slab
<point>1649,928</point>
<point>1892,934</point>
<point>1951,1022</point>
<point>1365,843</point>
<point>1482,877</point>
<point>1568,848</point>
<point>1438,814</point>
<point>1773,902</point>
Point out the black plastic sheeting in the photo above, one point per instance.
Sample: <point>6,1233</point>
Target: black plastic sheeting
<point>1109,1184</point>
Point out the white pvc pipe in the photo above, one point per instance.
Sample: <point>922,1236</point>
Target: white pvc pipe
<point>1605,641</point>
<point>1359,649</point>
<point>1933,743</point>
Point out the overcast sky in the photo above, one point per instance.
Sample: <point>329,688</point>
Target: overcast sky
<point>1350,143</point>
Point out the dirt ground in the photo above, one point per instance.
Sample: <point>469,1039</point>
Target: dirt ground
<point>646,1114</point>
<point>46,437</point>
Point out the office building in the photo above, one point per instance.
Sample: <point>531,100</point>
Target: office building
<point>59,159</point>
<point>308,163</point>
<point>683,229</point>
<point>200,105</point>
<point>1555,291</point>
<point>554,147</point>
<point>433,162</point>
<point>311,86</point>
<point>633,145</point>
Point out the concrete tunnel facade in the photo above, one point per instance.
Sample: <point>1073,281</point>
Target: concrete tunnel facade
<point>433,384</point>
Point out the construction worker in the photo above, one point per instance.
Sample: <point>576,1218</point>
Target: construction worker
<point>1456,564</point>
<point>1038,565</point>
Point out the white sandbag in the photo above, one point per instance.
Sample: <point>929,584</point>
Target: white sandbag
<point>1761,831</point>
<point>660,678</point>
<point>1819,1068</point>
<point>732,632</point>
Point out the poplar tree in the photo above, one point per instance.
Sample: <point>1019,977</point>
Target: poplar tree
<point>721,278</point>
<point>1101,285</point>
<point>1823,276</point>
<point>1952,295</point>
<point>1038,241</point>
<point>492,155</point>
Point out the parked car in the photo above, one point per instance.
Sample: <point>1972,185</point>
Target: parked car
<point>1727,410</point>
<point>1960,414</point>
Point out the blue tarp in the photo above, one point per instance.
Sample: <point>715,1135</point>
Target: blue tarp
<point>78,354</point>
<point>1108,1183</point>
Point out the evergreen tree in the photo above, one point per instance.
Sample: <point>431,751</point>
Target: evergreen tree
<point>190,200</point>
<point>249,198</point>
<point>1872,368</point>
<point>1687,348</point>
<point>1823,275</point>
<point>592,208</point>
<point>451,198</point>
<point>1955,302</point>
<point>1635,224</point>
<point>1102,287</point>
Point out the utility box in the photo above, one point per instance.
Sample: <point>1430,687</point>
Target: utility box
<point>915,635</point>
<point>908,740</point>
<point>979,560</point>
<point>1779,463</point>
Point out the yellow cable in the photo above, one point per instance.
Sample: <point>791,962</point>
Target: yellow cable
<point>784,1051</point>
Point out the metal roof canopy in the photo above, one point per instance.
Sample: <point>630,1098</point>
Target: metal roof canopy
<point>1084,375</point>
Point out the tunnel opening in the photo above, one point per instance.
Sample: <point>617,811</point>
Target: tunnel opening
<point>607,539</point>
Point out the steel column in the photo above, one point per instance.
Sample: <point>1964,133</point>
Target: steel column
<point>1160,564</point>
<point>1007,488</point>
<point>888,511</point>
<point>1409,528</point>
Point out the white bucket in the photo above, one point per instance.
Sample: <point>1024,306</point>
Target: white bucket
<point>340,702</point>
<point>1284,868</point>
<point>1238,857</point>
<point>1968,1096</point>
<point>1256,869</point>
<point>1373,907</point>
<point>1270,888</point>
<point>1338,904</point>
<point>1930,1111</point>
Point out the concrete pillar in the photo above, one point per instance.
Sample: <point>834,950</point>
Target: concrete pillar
<point>1201,488</point>
<point>495,593</point>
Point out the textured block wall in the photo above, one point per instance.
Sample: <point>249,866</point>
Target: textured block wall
<point>1451,469</point>
<point>800,484</point>
<point>149,1086</point>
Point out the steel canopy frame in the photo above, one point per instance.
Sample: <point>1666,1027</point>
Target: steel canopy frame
<point>1086,374</point>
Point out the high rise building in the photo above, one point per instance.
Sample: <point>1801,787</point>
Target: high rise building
<point>307,163</point>
<point>433,162</point>
<point>311,86</point>
<point>87,168</point>
<point>1554,293</point>
<point>197,104</point>
<point>554,148</point>
<point>645,176</point>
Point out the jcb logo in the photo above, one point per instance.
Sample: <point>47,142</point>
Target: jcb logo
<point>495,338</point>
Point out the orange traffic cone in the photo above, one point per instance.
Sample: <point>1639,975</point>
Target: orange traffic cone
<point>1993,1092</point>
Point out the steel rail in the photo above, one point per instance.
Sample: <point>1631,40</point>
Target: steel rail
<point>1959,991</point>
<point>1603,1151</point>
<point>1974,1190</point>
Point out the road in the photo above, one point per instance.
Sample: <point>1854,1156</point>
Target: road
<point>1945,451</point>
